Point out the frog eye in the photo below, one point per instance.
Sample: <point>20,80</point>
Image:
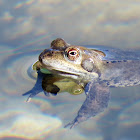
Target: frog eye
<point>73,54</point>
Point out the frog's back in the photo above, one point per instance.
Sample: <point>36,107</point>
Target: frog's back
<point>117,54</point>
<point>121,67</point>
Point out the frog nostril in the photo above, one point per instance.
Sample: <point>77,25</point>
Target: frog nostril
<point>49,54</point>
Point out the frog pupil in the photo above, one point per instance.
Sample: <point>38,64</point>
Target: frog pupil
<point>72,53</point>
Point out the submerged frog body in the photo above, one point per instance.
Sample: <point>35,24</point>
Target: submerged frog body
<point>97,71</point>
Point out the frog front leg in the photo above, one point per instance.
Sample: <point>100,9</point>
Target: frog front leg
<point>97,97</point>
<point>37,87</point>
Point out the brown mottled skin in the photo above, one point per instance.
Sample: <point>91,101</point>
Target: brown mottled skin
<point>96,69</point>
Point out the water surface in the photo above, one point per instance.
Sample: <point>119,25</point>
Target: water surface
<point>26,29</point>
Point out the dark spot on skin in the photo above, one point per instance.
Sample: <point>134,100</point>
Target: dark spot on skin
<point>108,83</point>
<point>117,61</point>
<point>135,83</point>
<point>113,61</point>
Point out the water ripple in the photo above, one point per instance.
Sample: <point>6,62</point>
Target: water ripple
<point>16,71</point>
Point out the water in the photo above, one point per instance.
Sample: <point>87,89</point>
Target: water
<point>26,29</point>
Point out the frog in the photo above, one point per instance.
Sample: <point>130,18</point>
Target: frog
<point>96,69</point>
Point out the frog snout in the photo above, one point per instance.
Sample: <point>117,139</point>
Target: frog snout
<point>45,54</point>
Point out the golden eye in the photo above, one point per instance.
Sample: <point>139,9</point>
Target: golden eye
<point>73,54</point>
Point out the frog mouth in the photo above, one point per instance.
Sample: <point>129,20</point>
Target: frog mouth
<point>63,73</point>
<point>67,74</point>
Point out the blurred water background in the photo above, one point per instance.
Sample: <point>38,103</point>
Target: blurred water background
<point>26,28</point>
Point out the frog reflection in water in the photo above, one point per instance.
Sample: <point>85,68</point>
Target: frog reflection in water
<point>56,84</point>
<point>95,70</point>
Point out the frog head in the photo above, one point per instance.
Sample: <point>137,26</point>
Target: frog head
<point>72,61</point>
